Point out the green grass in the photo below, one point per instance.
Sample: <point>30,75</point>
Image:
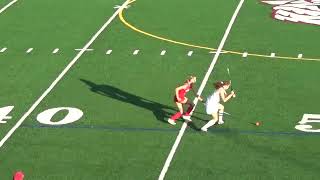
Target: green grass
<point>84,154</point>
<point>25,77</point>
<point>256,32</point>
<point>127,99</point>
<point>239,156</point>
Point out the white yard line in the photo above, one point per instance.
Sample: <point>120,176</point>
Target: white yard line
<point>67,68</point>
<point>245,54</point>
<point>29,50</point>
<point>109,52</point>
<point>3,50</point>
<point>7,6</point>
<point>136,52</point>
<point>84,49</point>
<point>203,84</point>
<point>56,50</point>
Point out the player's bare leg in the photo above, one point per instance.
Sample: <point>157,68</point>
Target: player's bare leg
<point>220,114</point>
<point>211,122</point>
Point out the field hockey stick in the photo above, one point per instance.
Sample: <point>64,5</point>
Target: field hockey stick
<point>228,70</point>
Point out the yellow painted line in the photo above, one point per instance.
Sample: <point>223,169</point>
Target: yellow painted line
<point>123,20</point>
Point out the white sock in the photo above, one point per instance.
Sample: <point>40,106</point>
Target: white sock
<point>220,116</point>
<point>209,124</point>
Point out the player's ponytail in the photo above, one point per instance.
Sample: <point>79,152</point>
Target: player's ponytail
<point>219,84</point>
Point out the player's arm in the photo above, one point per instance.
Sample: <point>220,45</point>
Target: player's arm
<point>196,95</point>
<point>226,97</point>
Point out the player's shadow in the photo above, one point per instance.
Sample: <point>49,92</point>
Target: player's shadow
<point>160,111</point>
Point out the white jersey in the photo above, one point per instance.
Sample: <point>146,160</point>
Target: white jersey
<point>212,103</point>
<point>213,98</point>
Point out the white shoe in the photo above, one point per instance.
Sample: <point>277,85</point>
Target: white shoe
<point>220,122</point>
<point>204,130</point>
<point>188,118</point>
<point>170,121</point>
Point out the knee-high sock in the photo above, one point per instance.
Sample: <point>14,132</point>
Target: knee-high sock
<point>209,124</point>
<point>189,110</point>
<point>176,116</point>
<point>220,116</point>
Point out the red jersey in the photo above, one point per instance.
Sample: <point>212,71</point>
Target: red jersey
<point>182,92</point>
<point>18,176</point>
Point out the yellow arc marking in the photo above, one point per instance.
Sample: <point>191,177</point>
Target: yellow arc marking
<point>121,17</point>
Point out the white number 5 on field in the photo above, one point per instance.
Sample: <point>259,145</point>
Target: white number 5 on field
<point>308,118</point>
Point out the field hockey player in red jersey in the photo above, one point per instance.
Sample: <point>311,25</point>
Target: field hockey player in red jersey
<point>180,99</point>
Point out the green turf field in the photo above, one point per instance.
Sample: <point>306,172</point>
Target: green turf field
<point>126,99</point>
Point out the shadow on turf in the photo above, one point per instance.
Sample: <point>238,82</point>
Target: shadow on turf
<point>160,111</point>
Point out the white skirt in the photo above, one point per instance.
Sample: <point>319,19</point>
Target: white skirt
<point>212,107</point>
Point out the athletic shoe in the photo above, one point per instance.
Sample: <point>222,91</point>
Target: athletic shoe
<point>170,121</point>
<point>204,130</point>
<point>220,122</point>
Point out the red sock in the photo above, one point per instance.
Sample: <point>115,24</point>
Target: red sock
<point>189,110</point>
<point>176,116</point>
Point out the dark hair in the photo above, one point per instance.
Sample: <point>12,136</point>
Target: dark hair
<point>219,84</point>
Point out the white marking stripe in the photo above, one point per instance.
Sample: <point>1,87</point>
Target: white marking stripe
<point>55,82</point>
<point>213,52</point>
<point>245,54</point>
<point>3,50</point>
<point>109,51</point>
<point>29,50</point>
<point>83,49</point>
<point>136,52</point>
<point>55,51</point>
<point>190,53</point>
<point>163,52</point>
<point>203,84</point>
<point>117,7</point>
<point>7,6</point>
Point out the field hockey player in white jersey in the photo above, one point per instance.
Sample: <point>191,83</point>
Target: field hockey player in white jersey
<point>213,106</point>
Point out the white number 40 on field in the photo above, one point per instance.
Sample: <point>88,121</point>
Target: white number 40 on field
<point>308,118</point>
<point>45,117</point>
